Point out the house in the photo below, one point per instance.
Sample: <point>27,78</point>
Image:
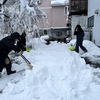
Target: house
<point>54,23</point>
<point>94,20</point>
<point>78,10</point>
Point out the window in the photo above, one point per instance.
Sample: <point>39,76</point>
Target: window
<point>66,10</point>
<point>79,5</point>
<point>59,33</point>
<point>91,21</point>
<point>45,31</point>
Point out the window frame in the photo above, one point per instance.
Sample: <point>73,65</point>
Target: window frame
<point>66,10</point>
<point>91,21</point>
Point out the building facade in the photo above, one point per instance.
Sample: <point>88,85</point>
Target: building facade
<point>94,20</point>
<point>54,23</point>
<point>78,10</point>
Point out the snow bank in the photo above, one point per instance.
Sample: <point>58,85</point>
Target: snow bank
<point>57,74</point>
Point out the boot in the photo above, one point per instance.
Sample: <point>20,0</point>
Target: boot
<point>8,69</point>
<point>11,72</point>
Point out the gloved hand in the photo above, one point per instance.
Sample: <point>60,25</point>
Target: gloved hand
<point>20,53</point>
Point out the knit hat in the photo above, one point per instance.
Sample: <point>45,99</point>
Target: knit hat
<point>16,35</point>
<point>78,26</point>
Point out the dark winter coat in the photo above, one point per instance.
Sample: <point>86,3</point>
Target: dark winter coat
<point>23,40</point>
<point>22,43</point>
<point>79,34</point>
<point>7,44</point>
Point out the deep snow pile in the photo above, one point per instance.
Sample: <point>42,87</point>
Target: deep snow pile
<point>58,74</point>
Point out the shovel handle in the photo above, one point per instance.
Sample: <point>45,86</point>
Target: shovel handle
<point>25,59</point>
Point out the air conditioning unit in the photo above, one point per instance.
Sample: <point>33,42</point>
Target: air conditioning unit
<point>39,1</point>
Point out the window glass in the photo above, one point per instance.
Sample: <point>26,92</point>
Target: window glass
<point>91,21</point>
<point>66,10</point>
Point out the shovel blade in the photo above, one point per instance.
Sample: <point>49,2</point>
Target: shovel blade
<point>30,66</point>
<point>72,48</point>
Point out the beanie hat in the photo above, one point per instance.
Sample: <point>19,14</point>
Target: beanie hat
<point>78,26</point>
<point>16,35</point>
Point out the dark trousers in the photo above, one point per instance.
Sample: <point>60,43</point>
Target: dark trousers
<point>2,62</point>
<point>79,44</point>
<point>5,63</point>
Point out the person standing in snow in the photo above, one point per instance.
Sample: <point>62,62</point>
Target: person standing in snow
<point>79,38</point>
<point>8,44</point>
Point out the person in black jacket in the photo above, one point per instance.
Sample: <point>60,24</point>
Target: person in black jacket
<point>8,44</point>
<point>79,39</point>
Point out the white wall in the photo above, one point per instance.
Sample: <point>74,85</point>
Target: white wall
<point>93,5</point>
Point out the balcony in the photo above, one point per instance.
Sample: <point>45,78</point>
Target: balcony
<point>78,7</point>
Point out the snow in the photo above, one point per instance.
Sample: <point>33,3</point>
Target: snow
<point>1,1</point>
<point>57,74</point>
<point>44,38</point>
<point>59,2</point>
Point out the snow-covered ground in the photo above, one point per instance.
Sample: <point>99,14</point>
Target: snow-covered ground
<point>57,74</point>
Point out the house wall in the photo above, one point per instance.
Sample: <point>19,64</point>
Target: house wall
<point>45,3</point>
<point>58,17</point>
<point>55,16</point>
<point>92,7</point>
<point>55,22</point>
<point>46,22</point>
<point>45,6</point>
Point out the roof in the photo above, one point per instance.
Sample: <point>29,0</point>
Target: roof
<point>59,2</point>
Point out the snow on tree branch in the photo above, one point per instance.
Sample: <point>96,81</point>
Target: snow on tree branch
<point>20,15</point>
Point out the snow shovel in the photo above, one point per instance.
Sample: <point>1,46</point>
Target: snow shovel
<point>72,47</point>
<point>28,49</point>
<point>28,63</point>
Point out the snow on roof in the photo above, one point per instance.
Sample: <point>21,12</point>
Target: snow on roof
<point>59,2</point>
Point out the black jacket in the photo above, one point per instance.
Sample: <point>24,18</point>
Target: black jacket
<point>22,43</point>
<point>23,40</point>
<point>79,34</point>
<point>7,44</point>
